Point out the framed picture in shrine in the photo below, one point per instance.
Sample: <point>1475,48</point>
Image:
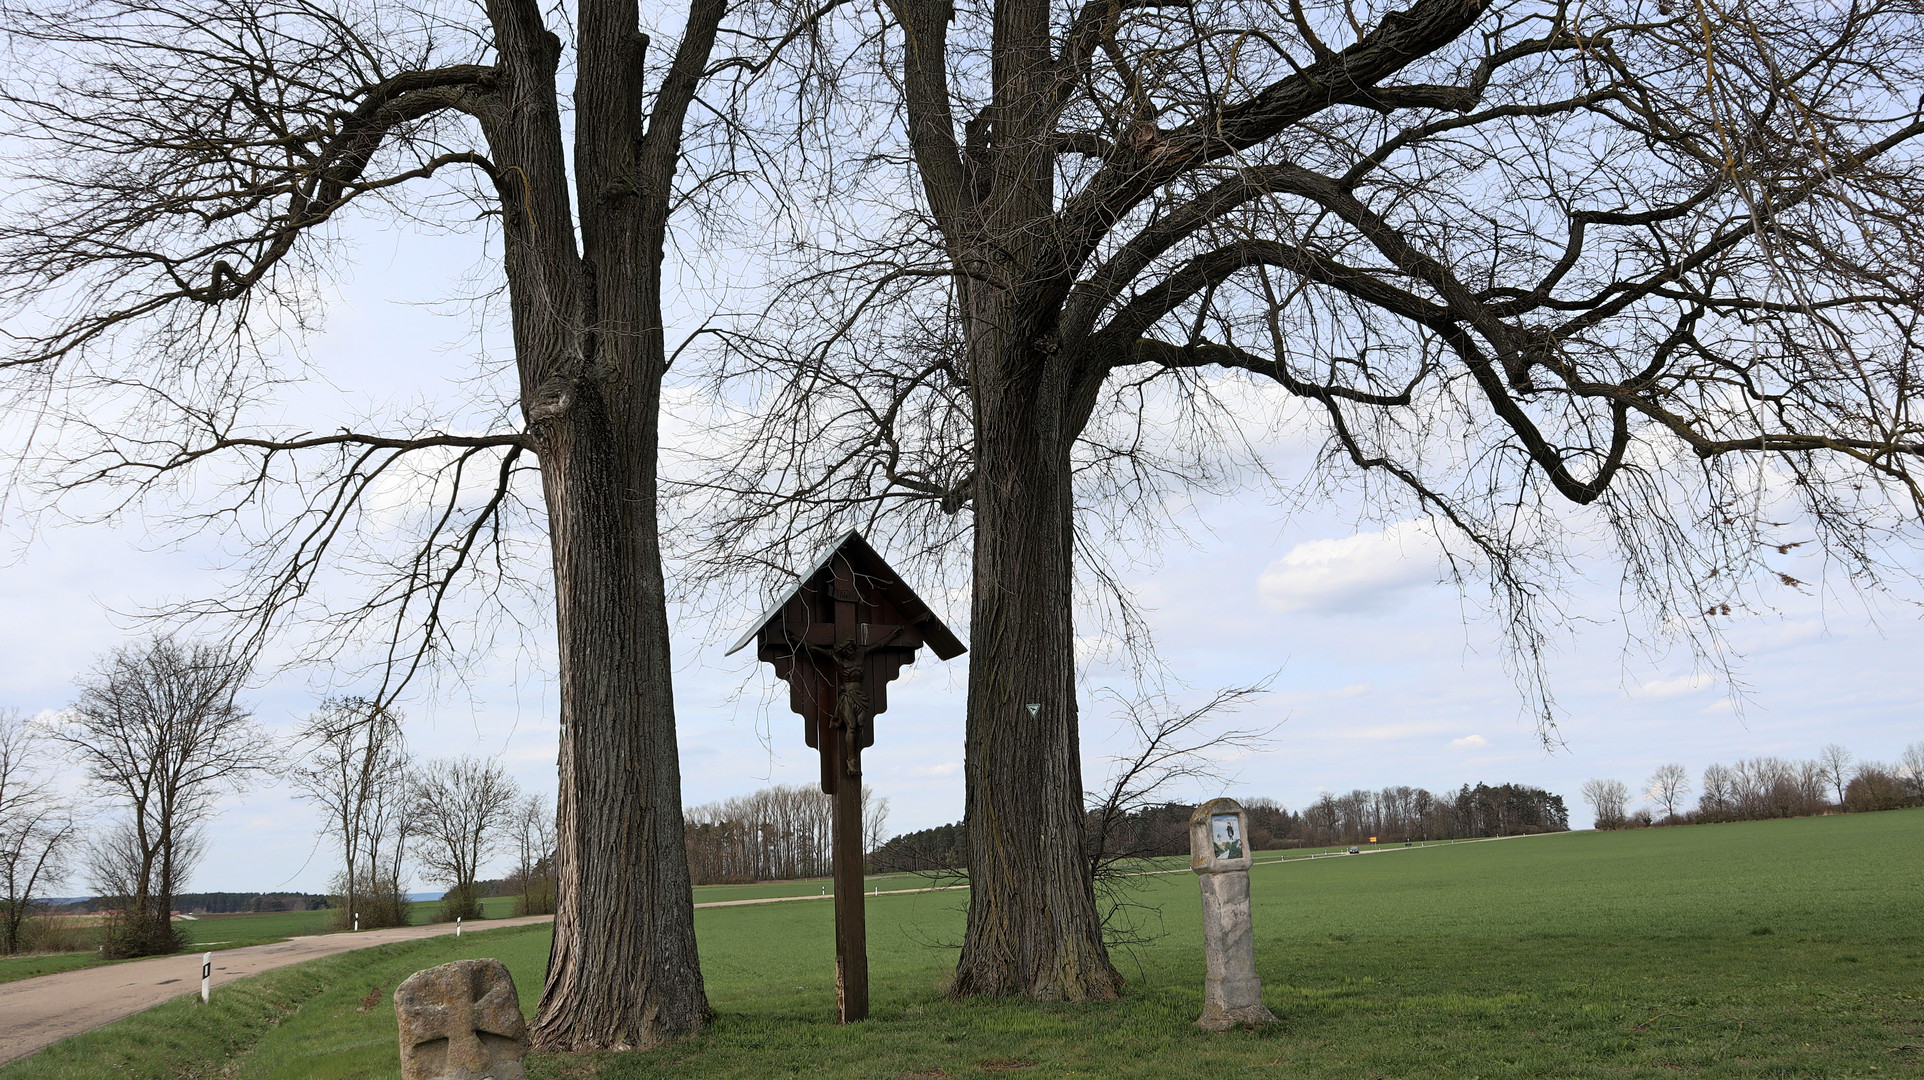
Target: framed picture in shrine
<point>1226,835</point>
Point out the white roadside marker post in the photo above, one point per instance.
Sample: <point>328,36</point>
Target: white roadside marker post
<point>357,922</point>
<point>206,974</point>
<point>457,926</point>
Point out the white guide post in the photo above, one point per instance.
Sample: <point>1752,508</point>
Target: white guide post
<point>206,975</point>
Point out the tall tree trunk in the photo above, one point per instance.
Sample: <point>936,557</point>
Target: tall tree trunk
<point>624,970</point>
<point>1033,928</point>
<point>588,333</point>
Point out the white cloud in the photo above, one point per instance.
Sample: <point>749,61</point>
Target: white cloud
<point>1470,742</point>
<point>1677,687</point>
<point>1367,572</point>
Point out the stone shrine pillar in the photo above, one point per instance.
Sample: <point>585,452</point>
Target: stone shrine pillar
<point>1219,853</point>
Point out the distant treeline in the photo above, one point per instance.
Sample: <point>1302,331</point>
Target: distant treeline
<point>1765,787</point>
<point>1769,787</point>
<point>223,903</point>
<point>778,833</point>
<point>944,847</point>
<point>227,903</point>
<point>1392,815</point>
<point>1397,814</point>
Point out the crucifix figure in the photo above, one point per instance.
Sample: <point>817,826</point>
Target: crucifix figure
<point>838,638</point>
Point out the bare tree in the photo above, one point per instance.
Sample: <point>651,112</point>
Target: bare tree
<point>875,823</point>
<point>112,863</point>
<point>1168,747</point>
<point>389,830</point>
<point>1812,786</point>
<point>1668,786</point>
<point>1911,770</point>
<point>161,733</point>
<point>37,828</point>
<point>1836,762</point>
<point>1875,786</point>
<point>534,834</point>
<point>1610,799</point>
<point>1714,802</point>
<point>179,177</point>
<point>461,808</point>
<point>355,750</point>
<point>1504,257</point>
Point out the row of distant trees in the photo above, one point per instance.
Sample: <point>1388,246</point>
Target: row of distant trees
<point>1392,815</point>
<point>158,734</point>
<point>779,832</point>
<point>1403,813</point>
<point>1763,787</point>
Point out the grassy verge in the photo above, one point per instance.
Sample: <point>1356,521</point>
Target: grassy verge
<point>27,965</point>
<point>1778,949</point>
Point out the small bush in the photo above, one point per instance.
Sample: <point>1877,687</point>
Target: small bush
<point>461,902</point>
<point>151,935</point>
<point>379,905</point>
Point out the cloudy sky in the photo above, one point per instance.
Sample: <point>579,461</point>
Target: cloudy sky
<point>1383,674</point>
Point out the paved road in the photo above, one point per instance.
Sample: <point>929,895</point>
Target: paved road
<point>40,1011</point>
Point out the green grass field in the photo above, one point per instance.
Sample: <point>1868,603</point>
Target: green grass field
<point>1770,949</point>
<point>217,932</point>
<point>907,882</point>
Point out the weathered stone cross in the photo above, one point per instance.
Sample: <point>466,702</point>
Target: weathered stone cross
<point>461,1021</point>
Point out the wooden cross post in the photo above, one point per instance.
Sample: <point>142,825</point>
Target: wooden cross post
<point>839,637</point>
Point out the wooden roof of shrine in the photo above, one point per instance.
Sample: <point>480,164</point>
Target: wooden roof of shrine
<point>873,572</point>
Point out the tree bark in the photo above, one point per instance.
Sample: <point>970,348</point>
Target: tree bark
<point>1033,928</point>
<point>624,971</point>
<point>591,355</point>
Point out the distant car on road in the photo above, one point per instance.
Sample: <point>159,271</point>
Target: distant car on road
<point>1355,850</point>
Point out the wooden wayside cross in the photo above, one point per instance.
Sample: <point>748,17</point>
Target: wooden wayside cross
<point>838,638</point>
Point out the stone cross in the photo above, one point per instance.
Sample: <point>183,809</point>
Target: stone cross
<point>461,1021</point>
<point>1219,853</point>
